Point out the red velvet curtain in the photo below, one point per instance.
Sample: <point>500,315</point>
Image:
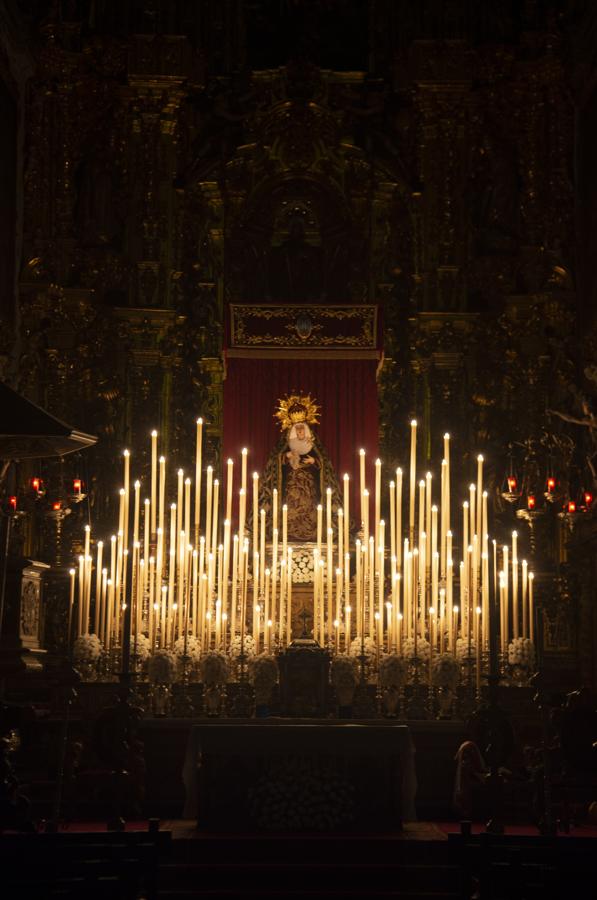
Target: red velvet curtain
<point>345,389</point>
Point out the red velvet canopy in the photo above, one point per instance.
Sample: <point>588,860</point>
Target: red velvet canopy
<point>345,389</point>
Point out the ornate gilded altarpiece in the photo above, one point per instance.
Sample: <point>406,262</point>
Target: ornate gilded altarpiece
<point>159,201</point>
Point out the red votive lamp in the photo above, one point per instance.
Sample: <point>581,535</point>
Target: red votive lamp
<point>12,502</point>
<point>511,484</point>
<point>551,485</point>
<point>571,506</point>
<point>77,485</point>
<point>56,505</point>
<point>588,499</point>
<point>36,484</point>
<point>531,501</point>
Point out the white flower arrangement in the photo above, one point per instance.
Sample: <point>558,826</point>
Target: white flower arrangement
<point>87,648</point>
<point>393,670</point>
<point>192,648</point>
<point>248,645</point>
<point>141,647</point>
<point>368,646</point>
<point>521,652</point>
<point>213,667</point>
<point>421,648</point>
<point>466,651</point>
<point>263,670</point>
<point>161,668</point>
<point>445,670</point>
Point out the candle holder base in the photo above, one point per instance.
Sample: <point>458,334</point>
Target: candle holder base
<point>242,703</point>
<point>161,695</point>
<point>182,703</point>
<point>445,702</point>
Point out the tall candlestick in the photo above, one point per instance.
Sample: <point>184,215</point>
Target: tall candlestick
<point>208,509</point>
<point>98,582</point>
<point>362,482</point>
<point>229,482</point>
<point>289,598</point>
<point>319,527</point>
<point>179,500</point>
<point>127,468</point>
<point>399,519</point>
<point>255,512</point>
<point>262,549</point>
<point>187,508</point>
<point>479,493</point>
<point>392,519</point>
<point>198,473</point>
<point>346,505</point>
<point>214,521</point>
<point>377,498</point>
<point>515,584</point>
<point>525,618</point>
<point>154,479</point>
<point>531,607</point>
<point>162,493</point>
<point>243,471</point>
<point>413,479</point>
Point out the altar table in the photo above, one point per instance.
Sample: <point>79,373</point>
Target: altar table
<point>304,775</point>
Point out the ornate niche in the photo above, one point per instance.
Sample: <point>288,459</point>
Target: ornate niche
<point>22,629</point>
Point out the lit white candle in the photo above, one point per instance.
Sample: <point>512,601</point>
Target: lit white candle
<point>243,471</point>
<point>262,549</point>
<point>255,512</point>
<point>362,482</point>
<point>346,505</point>
<point>208,510</point>
<point>413,479</point>
<point>515,631</point>
<point>229,484</point>
<point>198,473</point>
<point>392,519</point>
<point>377,498</point>
<point>289,597</point>
<point>127,489</point>
<point>98,583</point>
<point>71,602</point>
<point>179,500</point>
<point>479,493</point>
<point>214,520</point>
<point>154,479</point>
<point>531,607</point>
<point>162,492</point>
<point>399,519</point>
<point>525,611</point>
<point>187,508</point>
<point>319,527</point>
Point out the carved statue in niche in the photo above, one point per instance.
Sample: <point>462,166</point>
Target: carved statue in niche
<point>295,268</point>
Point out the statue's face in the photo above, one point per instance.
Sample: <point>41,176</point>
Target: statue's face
<point>300,431</point>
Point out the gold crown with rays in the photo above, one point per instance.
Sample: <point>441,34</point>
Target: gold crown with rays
<point>296,408</point>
